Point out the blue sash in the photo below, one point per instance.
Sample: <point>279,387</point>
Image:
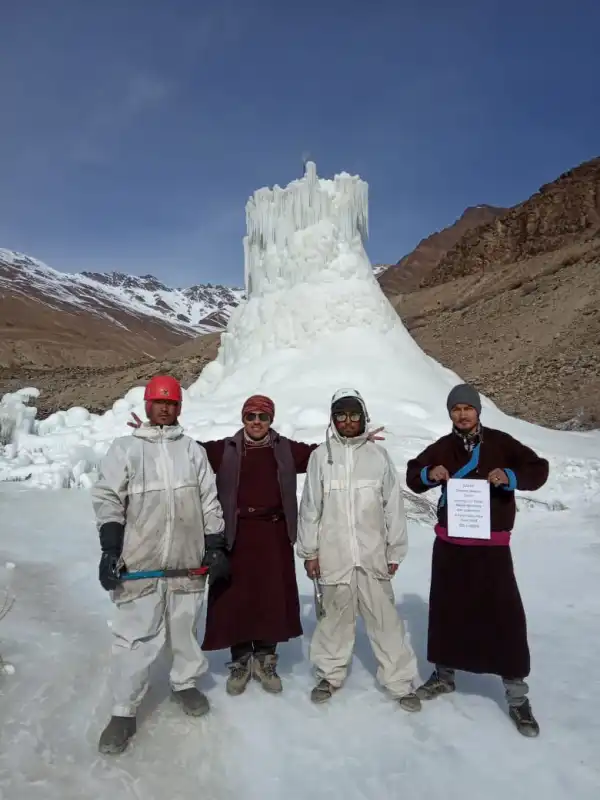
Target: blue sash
<point>471,464</point>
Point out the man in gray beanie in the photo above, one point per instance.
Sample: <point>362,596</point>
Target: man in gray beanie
<point>463,394</point>
<point>476,617</point>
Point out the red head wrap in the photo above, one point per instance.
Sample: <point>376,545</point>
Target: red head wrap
<point>259,403</point>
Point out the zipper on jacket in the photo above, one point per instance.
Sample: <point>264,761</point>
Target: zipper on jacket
<point>169,503</point>
<point>351,508</point>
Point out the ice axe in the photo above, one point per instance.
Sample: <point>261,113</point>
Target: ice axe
<point>319,607</point>
<point>193,572</point>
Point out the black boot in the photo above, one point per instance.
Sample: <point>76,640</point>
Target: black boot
<point>522,716</point>
<point>117,735</point>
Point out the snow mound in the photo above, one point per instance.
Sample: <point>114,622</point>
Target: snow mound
<point>314,319</point>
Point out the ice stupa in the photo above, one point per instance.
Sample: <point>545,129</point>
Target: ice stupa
<point>315,319</point>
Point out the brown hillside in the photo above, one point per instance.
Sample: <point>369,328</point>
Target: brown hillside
<point>410,271</point>
<point>526,334</point>
<point>560,214</point>
<point>97,388</point>
<point>514,305</point>
<point>34,332</point>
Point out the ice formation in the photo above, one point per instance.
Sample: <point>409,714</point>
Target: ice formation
<point>308,278</point>
<point>315,319</point>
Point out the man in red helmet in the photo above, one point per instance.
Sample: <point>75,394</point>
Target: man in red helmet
<point>156,507</point>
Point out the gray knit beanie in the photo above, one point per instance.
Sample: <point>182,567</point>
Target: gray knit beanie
<point>463,393</point>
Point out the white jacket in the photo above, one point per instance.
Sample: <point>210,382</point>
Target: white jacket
<point>351,513</point>
<point>158,482</point>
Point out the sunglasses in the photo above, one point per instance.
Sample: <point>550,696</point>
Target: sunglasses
<point>354,416</point>
<point>262,416</point>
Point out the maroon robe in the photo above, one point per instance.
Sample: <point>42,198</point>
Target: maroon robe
<point>261,601</point>
<point>477,622</point>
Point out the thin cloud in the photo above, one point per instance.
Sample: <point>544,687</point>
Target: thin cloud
<point>138,93</point>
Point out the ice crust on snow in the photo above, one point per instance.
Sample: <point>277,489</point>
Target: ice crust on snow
<point>314,319</point>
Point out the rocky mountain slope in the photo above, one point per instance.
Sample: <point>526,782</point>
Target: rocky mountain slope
<point>53,318</point>
<point>410,271</point>
<point>562,213</point>
<point>97,388</point>
<point>514,306</point>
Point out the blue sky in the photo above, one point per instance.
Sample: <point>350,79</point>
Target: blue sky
<point>132,133</point>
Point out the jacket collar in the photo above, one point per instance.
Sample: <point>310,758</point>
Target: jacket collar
<point>156,433</point>
<point>332,433</point>
<point>354,441</point>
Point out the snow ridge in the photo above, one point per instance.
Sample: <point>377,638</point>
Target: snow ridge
<point>197,309</point>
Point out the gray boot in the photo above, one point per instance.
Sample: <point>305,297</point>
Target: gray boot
<point>264,670</point>
<point>525,722</point>
<point>322,692</point>
<point>410,702</point>
<point>193,702</point>
<point>240,673</point>
<point>439,682</point>
<point>117,735</point>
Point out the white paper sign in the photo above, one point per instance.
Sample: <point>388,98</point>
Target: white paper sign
<point>469,509</point>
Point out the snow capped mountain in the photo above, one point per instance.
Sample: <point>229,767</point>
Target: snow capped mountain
<point>379,269</point>
<point>197,309</point>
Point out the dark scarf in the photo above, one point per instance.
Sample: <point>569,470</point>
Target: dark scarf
<point>469,440</point>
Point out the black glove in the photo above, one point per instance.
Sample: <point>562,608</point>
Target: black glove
<point>216,559</point>
<point>111,542</point>
<point>108,572</point>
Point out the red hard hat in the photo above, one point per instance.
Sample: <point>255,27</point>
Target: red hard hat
<point>163,387</point>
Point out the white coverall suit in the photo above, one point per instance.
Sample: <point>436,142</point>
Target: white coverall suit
<point>159,484</point>
<point>352,519</point>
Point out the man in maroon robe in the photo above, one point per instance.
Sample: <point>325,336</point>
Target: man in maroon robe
<point>259,607</point>
<point>476,618</point>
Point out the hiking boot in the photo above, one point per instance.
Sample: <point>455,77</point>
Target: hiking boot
<point>522,716</point>
<point>264,670</point>
<point>240,673</point>
<point>117,735</point>
<point>193,702</point>
<point>322,692</point>
<point>435,686</point>
<point>410,702</point>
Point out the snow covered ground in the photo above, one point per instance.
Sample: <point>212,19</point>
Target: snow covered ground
<point>258,746</point>
<point>315,320</point>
